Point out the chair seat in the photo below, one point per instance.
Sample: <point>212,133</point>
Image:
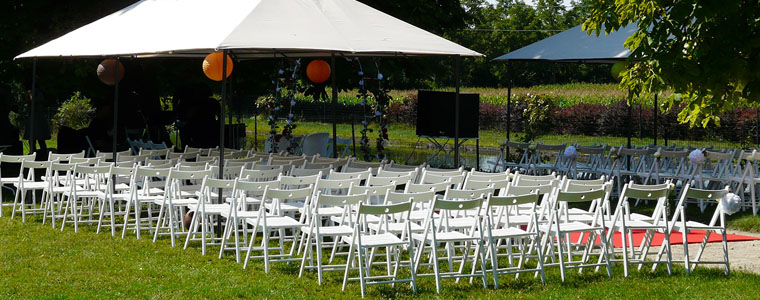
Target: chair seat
<point>568,227</point>
<point>397,227</point>
<point>461,223</point>
<point>517,220</point>
<point>639,224</point>
<point>211,208</point>
<point>377,240</point>
<point>277,222</point>
<point>691,225</point>
<point>8,180</point>
<point>32,185</point>
<point>177,202</point>
<point>640,217</point>
<point>451,236</point>
<point>330,230</point>
<point>88,194</point>
<point>508,232</point>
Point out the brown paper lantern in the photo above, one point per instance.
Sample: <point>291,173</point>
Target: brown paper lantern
<point>106,71</point>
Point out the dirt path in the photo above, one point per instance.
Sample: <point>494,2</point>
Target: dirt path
<point>743,256</point>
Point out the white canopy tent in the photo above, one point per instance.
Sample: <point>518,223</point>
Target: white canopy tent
<point>248,29</point>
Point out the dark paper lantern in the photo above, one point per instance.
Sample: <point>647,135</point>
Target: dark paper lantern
<point>213,66</point>
<point>106,70</point>
<point>318,71</point>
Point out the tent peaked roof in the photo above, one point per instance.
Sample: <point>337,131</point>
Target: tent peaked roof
<point>249,28</point>
<point>575,45</point>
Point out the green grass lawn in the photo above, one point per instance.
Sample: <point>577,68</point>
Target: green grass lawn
<point>41,262</point>
<point>404,135</point>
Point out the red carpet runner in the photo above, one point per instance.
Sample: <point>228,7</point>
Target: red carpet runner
<point>694,237</point>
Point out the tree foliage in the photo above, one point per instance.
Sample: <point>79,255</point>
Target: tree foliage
<point>706,51</point>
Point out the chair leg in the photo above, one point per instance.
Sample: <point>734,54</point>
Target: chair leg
<point>434,250</point>
<point>561,256</point>
<point>250,246</point>
<point>361,270</point>
<point>349,264</point>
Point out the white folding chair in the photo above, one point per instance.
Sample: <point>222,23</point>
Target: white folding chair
<point>315,232</point>
<point>437,231</point>
<point>498,228</point>
<point>360,242</point>
<point>205,210</point>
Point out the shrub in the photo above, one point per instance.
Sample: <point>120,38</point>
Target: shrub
<point>76,112</point>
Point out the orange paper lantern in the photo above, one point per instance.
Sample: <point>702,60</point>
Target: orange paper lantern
<point>106,70</point>
<point>213,65</point>
<point>318,71</point>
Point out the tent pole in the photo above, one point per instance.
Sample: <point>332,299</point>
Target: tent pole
<point>654,111</point>
<point>630,119</point>
<point>757,129</point>
<point>256,129</point>
<point>334,106</point>
<point>115,108</point>
<point>353,136</point>
<point>222,105</point>
<point>641,127</point>
<point>509,108</point>
<point>32,143</point>
<point>456,113</point>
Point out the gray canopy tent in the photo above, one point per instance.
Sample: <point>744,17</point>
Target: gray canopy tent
<point>246,29</point>
<point>575,46</point>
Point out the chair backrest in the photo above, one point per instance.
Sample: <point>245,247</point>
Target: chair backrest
<point>333,187</point>
<point>495,185</point>
<point>345,201</point>
<point>384,172</point>
<point>424,187</point>
<point>6,158</point>
<point>230,172</point>
<point>514,190</point>
<point>245,189</point>
<point>155,153</point>
<point>363,175</point>
<point>190,175</point>
<point>376,194</point>
<point>317,165</point>
<point>61,157</point>
<point>295,171</point>
<point>260,175</point>
<point>454,194</point>
<point>421,197</point>
<point>293,182</point>
<point>271,194</point>
<point>494,201</point>
<point>100,174</point>
<point>260,167</point>
<point>718,217</point>
<point>396,181</point>
<point>192,167</point>
<point>210,184</point>
<point>443,172</point>
<point>455,181</point>
<point>479,176</point>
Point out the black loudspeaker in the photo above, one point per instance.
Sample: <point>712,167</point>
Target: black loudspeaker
<point>436,111</point>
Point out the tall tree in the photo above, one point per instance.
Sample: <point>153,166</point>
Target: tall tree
<point>706,51</point>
